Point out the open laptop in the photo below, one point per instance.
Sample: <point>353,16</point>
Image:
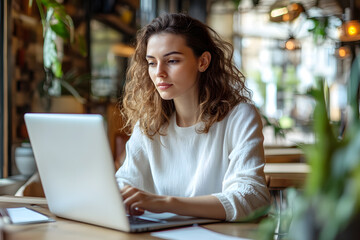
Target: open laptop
<point>77,171</point>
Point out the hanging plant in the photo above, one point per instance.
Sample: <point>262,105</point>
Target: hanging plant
<point>56,23</point>
<point>58,28</point>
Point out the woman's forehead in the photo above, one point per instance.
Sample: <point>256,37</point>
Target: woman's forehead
<point>163,42</point>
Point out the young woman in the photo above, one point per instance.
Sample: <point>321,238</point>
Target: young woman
<point>196,146</point>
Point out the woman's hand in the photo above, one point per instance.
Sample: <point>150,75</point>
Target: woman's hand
<point>137,201</point>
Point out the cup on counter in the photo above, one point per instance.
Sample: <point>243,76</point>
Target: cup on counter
<point>25,160</point>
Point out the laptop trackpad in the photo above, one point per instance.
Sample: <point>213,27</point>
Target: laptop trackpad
<point>165,217</point>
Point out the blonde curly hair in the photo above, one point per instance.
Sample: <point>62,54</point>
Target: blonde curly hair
<point>221,86</point>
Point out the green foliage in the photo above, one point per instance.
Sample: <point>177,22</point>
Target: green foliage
<point>236,2</point>
<point>319,155</point>
<point>278,130</point>
<point>332,189</point>
<point>72,81</point>
<point>319,29</point>
<point>331,197</point>
<point>56,23</point>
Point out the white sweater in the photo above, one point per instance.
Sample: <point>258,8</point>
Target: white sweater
<point>227,162</point>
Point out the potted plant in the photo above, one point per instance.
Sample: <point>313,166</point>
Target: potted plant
<point>329,205</point>
<point>58,28</point>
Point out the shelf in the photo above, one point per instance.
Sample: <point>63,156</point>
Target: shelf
<point>116,23</point>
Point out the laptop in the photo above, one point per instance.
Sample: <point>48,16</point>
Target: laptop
<point>76,167</point>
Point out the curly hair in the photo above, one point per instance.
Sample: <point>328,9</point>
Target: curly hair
<point>221,86</point>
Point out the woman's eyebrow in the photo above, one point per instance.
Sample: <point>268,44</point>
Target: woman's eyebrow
<point>171,53</point>
<point>165,55</point>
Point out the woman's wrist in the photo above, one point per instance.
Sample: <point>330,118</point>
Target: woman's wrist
<point>170,203</point>
<point>178,205</point>
<point>204,206</point>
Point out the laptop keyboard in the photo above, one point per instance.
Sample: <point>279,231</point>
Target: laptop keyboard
<point>138,220</point>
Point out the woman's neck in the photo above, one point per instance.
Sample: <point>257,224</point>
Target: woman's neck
<point>187,113</point>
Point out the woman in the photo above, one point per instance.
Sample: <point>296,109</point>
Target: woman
<point>196,144</point>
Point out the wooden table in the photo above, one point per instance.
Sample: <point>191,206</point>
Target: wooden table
<point>67,229</point>
<point>283,155</point>
<point>283,175</point>
<point>280,176</point>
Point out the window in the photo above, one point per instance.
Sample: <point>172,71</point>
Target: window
<point>280,78</point>
<point>108,63</point>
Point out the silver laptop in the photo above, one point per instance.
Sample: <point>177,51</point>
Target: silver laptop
<point>77,171</point>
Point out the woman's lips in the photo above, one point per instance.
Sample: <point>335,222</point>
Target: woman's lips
<point>163,86</point>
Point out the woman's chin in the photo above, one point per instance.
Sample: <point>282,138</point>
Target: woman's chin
<point>166,97</point>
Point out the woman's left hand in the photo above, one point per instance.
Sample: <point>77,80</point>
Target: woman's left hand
<point>137,201</point>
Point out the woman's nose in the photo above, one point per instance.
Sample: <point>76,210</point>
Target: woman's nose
<point>160,71</point>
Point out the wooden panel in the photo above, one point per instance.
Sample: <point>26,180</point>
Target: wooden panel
<point>284,175</point>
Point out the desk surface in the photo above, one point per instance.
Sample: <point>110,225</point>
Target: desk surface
<point>283,155</point>
<point>67,229</point>
<point>283,175</point>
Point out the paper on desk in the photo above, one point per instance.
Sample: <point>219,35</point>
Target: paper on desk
<point>190,233</point>
<point>23,215</point>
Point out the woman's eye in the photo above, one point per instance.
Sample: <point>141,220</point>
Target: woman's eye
<point>151,63</point>
<point>173,61</point>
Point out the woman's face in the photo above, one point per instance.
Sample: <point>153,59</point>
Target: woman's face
<point>173,67</point>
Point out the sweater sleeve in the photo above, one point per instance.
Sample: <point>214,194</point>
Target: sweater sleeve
<point>135,170</point>
<point>244,187</point>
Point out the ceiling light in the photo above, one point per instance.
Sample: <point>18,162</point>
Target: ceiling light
<point>350,31</point>
<point>277,12</point>
<point>283,11</point>
<point>292,44</point>
<point>343,52</point>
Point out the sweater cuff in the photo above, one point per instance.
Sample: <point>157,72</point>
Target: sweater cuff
<point>229,209</point>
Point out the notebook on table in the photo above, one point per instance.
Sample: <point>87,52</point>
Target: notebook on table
<point>77,171</point>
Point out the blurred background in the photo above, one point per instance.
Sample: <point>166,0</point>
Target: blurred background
<point>282,48</point>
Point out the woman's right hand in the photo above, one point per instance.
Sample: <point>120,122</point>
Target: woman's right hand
<point>137,201</point>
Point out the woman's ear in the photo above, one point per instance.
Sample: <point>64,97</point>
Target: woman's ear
<point>204,61</point>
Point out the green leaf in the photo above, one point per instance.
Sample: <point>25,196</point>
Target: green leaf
<point>57,23</point>
<point>64,18</point>
<point>61,30</point>
<point>319,156</point>
<point>60,14</point>
<point>267,229</point>
<point>56,68</point>
<point>49,49</point>
<point>255,214</point>
<point>51,3</point>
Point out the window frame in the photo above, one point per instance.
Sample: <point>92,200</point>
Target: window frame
<point>2,146</point>
<point>5,121</point>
